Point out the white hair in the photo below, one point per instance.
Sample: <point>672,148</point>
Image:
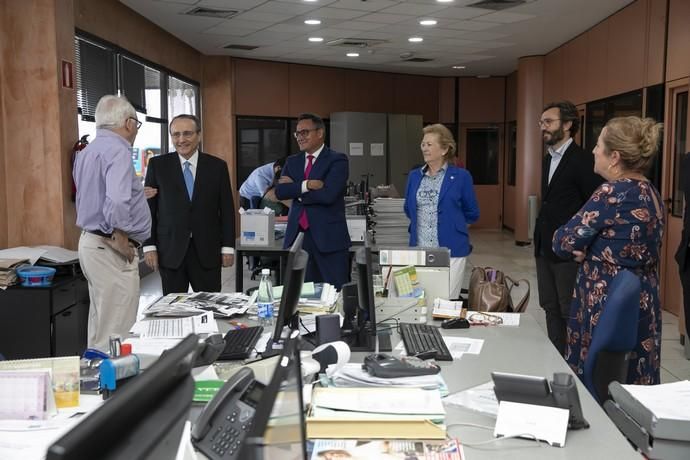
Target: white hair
<point>113,111</point>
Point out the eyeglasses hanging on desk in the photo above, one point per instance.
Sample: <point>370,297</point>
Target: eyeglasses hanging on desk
<point>484,319</point>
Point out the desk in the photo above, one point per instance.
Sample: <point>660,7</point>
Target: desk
<point>276,250</point>
<point>523,350</point>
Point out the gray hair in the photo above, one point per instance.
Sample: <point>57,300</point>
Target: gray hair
<point>113,111</point>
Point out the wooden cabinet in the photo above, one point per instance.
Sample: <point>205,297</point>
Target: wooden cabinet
<point>41,322</point>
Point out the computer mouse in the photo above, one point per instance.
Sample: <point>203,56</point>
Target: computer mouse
<point>455,323</point>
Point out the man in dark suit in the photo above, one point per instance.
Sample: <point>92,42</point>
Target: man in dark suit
<point>193,230</point>
<point>315,181</point>
<point>568,180</point>
<point>683,254</point>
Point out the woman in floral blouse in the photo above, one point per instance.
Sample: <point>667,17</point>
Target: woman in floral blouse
<point>620,227</point>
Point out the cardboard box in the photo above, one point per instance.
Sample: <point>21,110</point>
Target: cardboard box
<point>257,228</point>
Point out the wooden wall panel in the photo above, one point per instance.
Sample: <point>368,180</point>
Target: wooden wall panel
<point>4,217</point>
<point>597,61</point>
<point>678,58</point>
<point>446,100</point>
<point>114,22</point>
<point>414,94</point>
<point>482,100</point>
<point>368,91</point>
<point>320,90</point>
<point>574,66</point>
<point>31,114</point>
<point>625,69</point>
<point>261,88</point>
<point>554,76</point>
<point>656,42</point>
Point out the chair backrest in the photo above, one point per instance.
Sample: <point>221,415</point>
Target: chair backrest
<point>615,335</point>
<point>255,201</point>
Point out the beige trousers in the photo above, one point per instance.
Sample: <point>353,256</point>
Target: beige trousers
<point>113,290</point>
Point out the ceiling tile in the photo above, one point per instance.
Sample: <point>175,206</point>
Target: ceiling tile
<point>337,13</point>
<point>506,17</point>
<point>455,12</point>
<point>359,25</point>
<point>414,9</point>
<point>230,4</point>
<point>369,5</point>
<point>384,18</point>
<point>290,28</point>
<point>292,9</point>
<point>231,24</point>
<point>471,25</point>
<point>230,31</point>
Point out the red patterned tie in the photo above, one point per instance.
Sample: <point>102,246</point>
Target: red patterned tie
<point>303,221</point>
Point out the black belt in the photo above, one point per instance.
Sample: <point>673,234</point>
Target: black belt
<point>110,235</point>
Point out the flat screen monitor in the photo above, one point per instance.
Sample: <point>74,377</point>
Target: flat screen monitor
<point>142,420</point>
<point>295,268</point>
<point>278,427</point>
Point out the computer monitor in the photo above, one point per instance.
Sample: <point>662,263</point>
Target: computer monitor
<point>293,279</point>
<point>278,427</point>
<point>366,336</point>
<point>142,420</point>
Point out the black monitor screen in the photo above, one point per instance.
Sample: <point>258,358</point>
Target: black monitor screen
<point>143,419</point>
<point>365,289</point>
<point>293,280</point>
<point>278,428</point>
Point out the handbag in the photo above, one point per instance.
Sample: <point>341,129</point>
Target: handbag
<point>490,290</point>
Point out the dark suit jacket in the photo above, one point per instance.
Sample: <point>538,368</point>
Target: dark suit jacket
<point>325,207</point>
<point>681,253</point>
<point>571,186</point>
<point>209,217</point>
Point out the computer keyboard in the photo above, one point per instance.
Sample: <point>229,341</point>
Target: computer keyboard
<point>239,343</point>
<point>419,338</point>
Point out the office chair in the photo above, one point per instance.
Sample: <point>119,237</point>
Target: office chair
<point>614,337</point>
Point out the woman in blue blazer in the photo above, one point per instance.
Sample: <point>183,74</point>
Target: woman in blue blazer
<point>440,202</point>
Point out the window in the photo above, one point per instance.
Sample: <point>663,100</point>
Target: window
<point>511,160</point>
<point>103,68</point>
<point>655,109</point>
<point>482,155</point>
<point>599,112</point>
<point>679,141</point>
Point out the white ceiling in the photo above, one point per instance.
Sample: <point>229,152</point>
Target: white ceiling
<point>487,42</point>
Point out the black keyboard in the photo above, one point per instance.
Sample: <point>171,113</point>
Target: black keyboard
<point>239,343</point>
<point>419,338</point>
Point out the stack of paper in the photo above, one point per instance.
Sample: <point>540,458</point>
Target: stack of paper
<point>223,305</point>
<point>8,274</point>
<point>390,221</point>
<point>376,413</point>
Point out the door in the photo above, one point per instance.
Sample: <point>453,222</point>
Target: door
<point>676,145</point>
<point>481,149</point>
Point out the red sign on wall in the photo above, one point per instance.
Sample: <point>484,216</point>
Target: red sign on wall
<point>67,75</point>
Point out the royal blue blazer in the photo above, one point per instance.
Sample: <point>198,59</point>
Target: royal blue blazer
<point>457,207</point>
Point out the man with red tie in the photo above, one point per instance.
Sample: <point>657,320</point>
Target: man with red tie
<point>315,179</point>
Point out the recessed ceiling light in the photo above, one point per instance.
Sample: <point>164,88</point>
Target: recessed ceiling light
<point>415,39</point>
<point>312,22</point>
<point>440,1</point>
<point>428,22</point>
<point>352,55</point>
<point>315,39</point>
<point>459,67</point>
<point>310,1</point>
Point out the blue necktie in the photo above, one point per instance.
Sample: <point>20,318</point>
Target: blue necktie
<point>188,179</point>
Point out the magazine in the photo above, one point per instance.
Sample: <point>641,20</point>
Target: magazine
<point>407,449</point>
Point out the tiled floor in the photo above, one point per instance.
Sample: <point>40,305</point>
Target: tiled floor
<point>496,249</point>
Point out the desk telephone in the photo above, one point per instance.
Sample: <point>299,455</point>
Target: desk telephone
<point>223,424</point>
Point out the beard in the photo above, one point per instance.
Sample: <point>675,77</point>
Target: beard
<point>555,137</point>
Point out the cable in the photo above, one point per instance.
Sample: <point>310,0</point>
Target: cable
<point>305,328</point>
<point>539,443</point>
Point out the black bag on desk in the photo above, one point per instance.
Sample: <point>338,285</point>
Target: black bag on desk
<point>490,290</point>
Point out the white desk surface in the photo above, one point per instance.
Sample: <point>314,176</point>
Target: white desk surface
<point>523,350</point>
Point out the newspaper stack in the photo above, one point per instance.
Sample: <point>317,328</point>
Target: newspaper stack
<point>8,273</point>
<point>390,221</point>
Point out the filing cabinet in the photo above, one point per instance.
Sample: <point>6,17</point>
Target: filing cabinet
<point>39,322</point>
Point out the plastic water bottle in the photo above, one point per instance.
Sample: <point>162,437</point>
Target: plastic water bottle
<point>264,299</point>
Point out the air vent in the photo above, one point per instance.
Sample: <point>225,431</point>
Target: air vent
<point>211,12</point>
<point>418,59</point>
<point>497,5</point>
<point>240,47</point>
<point>355,42</point>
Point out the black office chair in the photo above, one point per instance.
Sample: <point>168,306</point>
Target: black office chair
<point>614,337</point>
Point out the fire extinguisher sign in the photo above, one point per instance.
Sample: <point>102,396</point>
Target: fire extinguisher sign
<point>67,75</point>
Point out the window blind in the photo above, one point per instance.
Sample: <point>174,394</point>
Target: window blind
<point>95,76</point>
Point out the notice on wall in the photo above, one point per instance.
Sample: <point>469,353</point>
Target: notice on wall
<point>356,149</point>
<point>377,150</point>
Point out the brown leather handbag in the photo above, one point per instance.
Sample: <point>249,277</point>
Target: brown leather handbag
<point>490,290</point>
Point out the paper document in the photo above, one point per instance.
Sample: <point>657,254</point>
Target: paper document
<point>545,423</point>
<point>58,255</point>
<point>173,328</point>
<point>64,372</point>
<point>481,398</point>
<point>398,401</point>
<point>665,401</point>
<point>223,305</point>
<point>22,252</point>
